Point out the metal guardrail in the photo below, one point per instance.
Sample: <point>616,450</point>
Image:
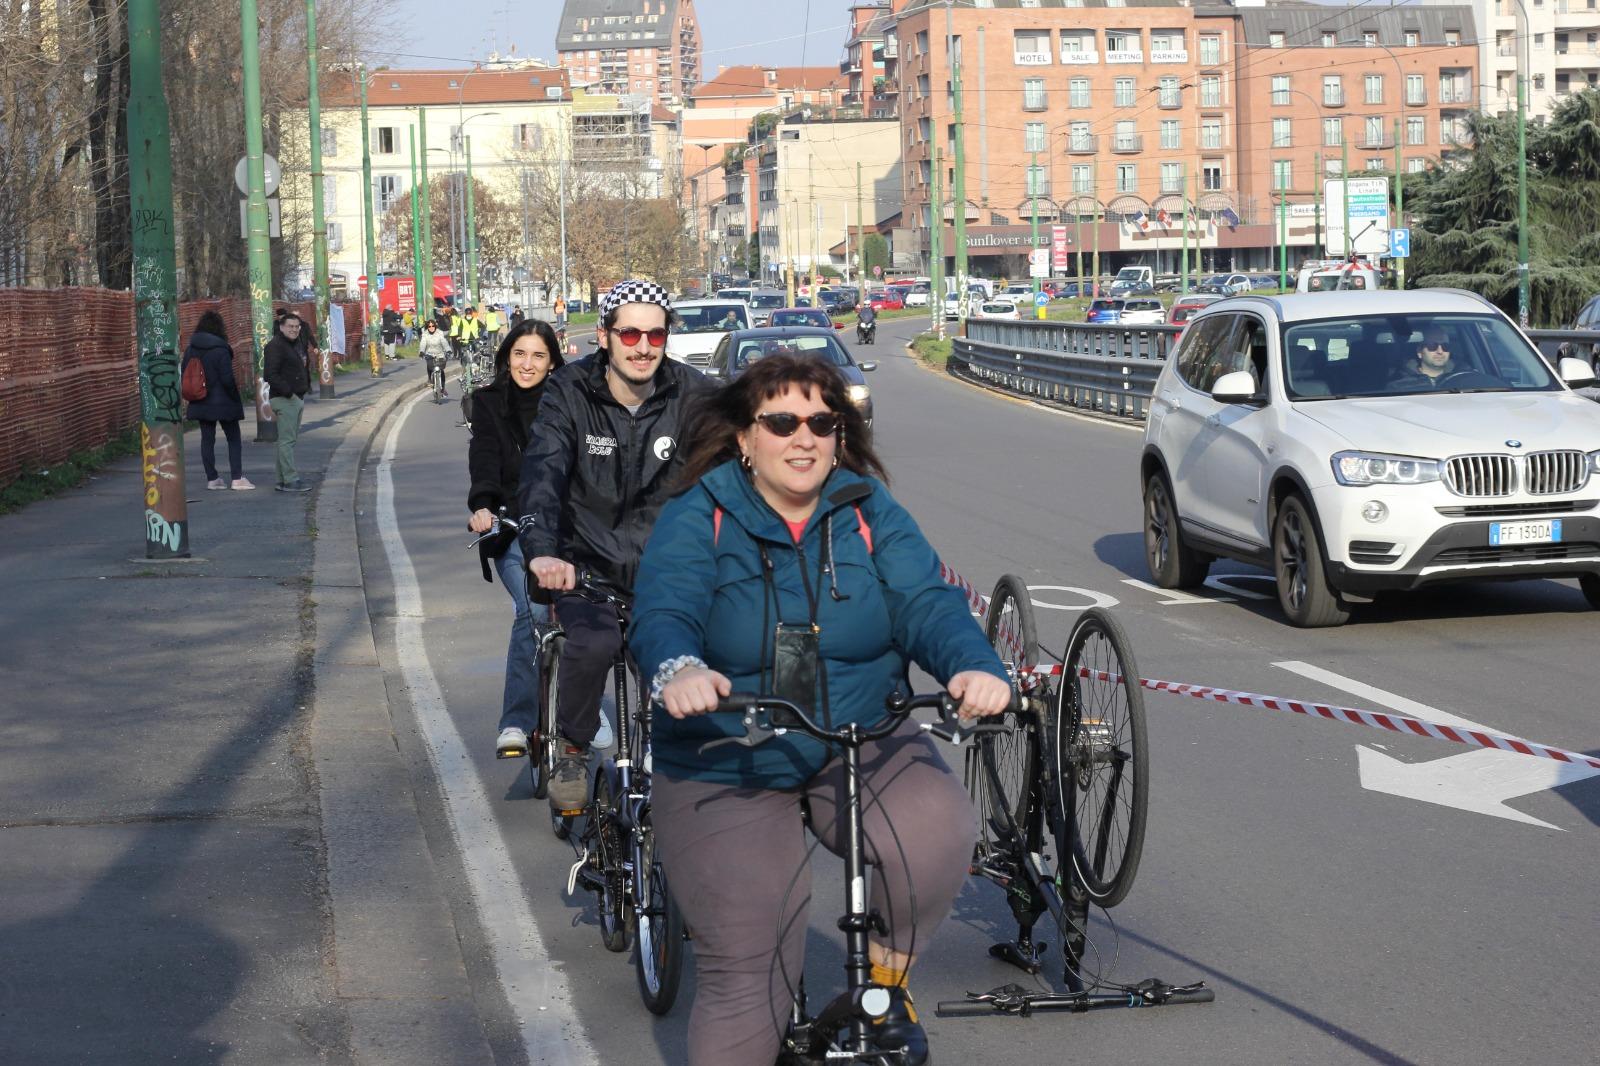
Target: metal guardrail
<point>1110,369</point>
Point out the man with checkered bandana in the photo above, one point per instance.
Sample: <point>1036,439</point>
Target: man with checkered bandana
<point>601,459</point>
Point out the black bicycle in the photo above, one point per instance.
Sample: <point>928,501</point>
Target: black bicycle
<point>477,370</point>
<point>1064,776</point>
<point>843,1031</point>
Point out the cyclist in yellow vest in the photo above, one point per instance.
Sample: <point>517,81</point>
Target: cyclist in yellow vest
<point>491,325</point>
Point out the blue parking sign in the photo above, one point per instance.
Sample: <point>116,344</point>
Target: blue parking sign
<point>1400,243</point>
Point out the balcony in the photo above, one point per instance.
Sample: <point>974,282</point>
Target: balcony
<point>1170,101</point>
<point>1127,143</point>
<point>1456,96</point>
<point>1416,99</point>
<point>1332,97</point>
<point>1383,140</point>
<point>1579,54</point>
<point>1086,144</point>
<point>734,233</point>
<point>1033,103</point>
<point>849,66</point>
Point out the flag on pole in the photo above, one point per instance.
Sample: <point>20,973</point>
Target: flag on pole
<point>1163,218</point>
<point>1140,220</point>
<point>1231,217</point>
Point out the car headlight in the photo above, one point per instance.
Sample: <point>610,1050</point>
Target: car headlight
<point>858,393</point>
<point>1594,462</point>
<point>1376,468</point>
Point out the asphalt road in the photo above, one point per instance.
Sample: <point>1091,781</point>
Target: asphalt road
<point>1337,922</point>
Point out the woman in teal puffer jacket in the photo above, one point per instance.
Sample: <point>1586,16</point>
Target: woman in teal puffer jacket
<point>784,524</point>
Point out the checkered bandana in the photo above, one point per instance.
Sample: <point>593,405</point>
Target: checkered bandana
<point>636,291</point>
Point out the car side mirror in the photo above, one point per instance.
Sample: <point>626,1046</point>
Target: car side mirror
<point>1237,387</point>
<point>1577,373</point>
<point>867,368</point>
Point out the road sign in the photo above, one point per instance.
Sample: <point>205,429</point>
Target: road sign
<point>274,219</point>
<point>241,174</point>
<point>1400,243</point>
<point>1058,247</point>
<point>1369,216</point>
<point>1040,299</point>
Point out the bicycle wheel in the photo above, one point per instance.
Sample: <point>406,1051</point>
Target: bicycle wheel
<point>999,767</point>
<point>1100,760</point>
<point>615,914</point>
<point>658,956</point>
<point>560,824</point>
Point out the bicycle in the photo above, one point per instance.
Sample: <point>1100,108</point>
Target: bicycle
<point>1066,774</point>
<point>843,1030</point>
<point>436,379</point>
<point>477,370</point>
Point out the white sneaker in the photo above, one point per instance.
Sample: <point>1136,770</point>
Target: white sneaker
<point>240,484</point>
<point>604,737</point>
<point>512,743</point>
<point>216,483</point>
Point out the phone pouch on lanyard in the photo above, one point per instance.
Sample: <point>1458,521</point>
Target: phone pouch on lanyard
<point>794,665</point>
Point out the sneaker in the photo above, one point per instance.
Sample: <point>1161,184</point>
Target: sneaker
<point>899,1028</point>
<point>604,737</point>
<point>216,483</point>
<point>241,484</point>
<point>295,486</point>
<point>511,744</point>
<point>569,780</point>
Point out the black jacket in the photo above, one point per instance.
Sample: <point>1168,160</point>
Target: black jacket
<point>594,476</point>
<point>223,402</point>
<point>283,366</point>
<point>494,455</point>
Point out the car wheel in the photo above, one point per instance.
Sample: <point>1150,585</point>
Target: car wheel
<point>1590,583</point>
<point>1301,569</point>
<point>1173,564</point>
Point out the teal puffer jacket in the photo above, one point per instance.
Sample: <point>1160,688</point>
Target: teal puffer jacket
<point>700,592</point>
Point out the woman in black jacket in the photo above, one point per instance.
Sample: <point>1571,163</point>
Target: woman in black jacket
<point>222,403</point>
<point>502,413</point>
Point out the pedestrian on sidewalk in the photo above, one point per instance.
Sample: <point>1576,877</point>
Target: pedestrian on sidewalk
<point>222,402</point>
<point>502,414</point>
<point>288,378</point>
<point>391,332</point>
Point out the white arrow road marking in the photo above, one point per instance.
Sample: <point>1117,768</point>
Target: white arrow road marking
<point>1477,781</point>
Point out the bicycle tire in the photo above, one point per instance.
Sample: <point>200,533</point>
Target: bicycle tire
<point>615,913</point>
<point>658,929</point>
<point>999,767</point>
<point>1097,744</point>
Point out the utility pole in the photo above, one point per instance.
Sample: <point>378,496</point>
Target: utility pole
<point>861,236</point>
<point>256,225</point>
<point>1322,205</point>
<point>1183,266</point>
<point>472,231</point>
<point>789,225</point>
<point>958,191</point>
<point>155,285</point>
<point>416,233</point>
<point>371,241</point>
<point>425,269</point>
<point>1094,194</point>
<point>936,249</point>
<point>1033,215</point>
<point>319,218</point>
<point>1283,236</point>
<point>1522,177</point>
<point>1344,188</point>
<point>1399,204</point>
<point>561,195</point>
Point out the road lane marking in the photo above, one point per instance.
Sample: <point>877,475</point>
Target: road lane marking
<point>536,990</point>
<point>1478,781</point>
<point>1174,597</point>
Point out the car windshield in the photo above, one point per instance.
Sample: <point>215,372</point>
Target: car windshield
<point>1105,305</point>
<point>710,318</point>
<point>767,299</point>
<point>1218,280</point>
<point>732,294</point>
<point>759,347</point>
<point>802,316</point>
<point>1403,355</point>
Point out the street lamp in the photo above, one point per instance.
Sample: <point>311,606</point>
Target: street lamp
<point>462,211</point>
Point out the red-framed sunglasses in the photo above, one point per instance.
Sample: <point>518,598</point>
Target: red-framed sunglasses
<point>629,335</point>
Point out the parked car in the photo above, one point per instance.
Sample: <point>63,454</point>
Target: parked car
<point>918,296</point>
<point>999,309</point>
<point>699,324</point>
<point>1184,307</point>
<point>1104,310</point>
<point>1588,317</point>
<point>886,300</point>
<point>735,292</point>
<point>737,351</point>
<point>1320,438</point>
<point>1068,290</point>
<point>1132,288</point>
<point>803,316</point>
<point>763,302</point>
<point>952,305</point>
<point>1016,294</point>
<point>1142,311</point>
<point>1224,284</point>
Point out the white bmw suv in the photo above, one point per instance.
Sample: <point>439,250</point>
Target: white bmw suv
<point>1354,443</point>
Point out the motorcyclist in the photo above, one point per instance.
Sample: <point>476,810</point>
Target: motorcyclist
<point>867,324</point>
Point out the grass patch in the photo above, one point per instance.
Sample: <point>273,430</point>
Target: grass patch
<point>583,318</point>
<point>36,485</point>
<point>931,350</point>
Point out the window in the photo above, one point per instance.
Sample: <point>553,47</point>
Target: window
<point>1416,92</point>
<point>1332,90</point>
<point>330,191</point>
<point>1078,93</point>
<point>1033,137</point>
<point>388,191</point>
<point>1416,130</point>
<point>1081,139</point>
<point>1032,93</point>
<point>1280,89</point>
<point>1031,47</point>
<point>1416,166</point>
<point>1332,132</point>
<point>1282,175</point>
<point>1210,50</point>
<point>1171,134</point>
<point>1171,177</point>
<point>1168,46</point>
<point>1127,137</point>
<point>386,140</point>
<point>1374,132</point>
<point>1210,90</point>
<point>1369,39</point>
<point>528,136</point>
<point>1122,92</point>
<point>1127,45</point>
<point>1127,177</point>
<point>1211,133</point>
<point>1330,40</point>
<point>330,142</point>
<point>335,236</point>
<point>1373,88</point>
<point>1412,37</point>
<point>1375,162</point>
<point>1281,136</point>
<point>1082,179</point>
<point>1274,38</point>
<point>1332,167</point>
<point>1171,95</point>
<point>1038,182</point>
<point>925,168</point>
<point>925,129</point>
<point>922,42</point>
<point>1453,37</point>
<point>1077,46</point>
<point>1211,175</point>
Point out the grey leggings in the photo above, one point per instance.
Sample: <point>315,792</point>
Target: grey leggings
<point>732,854</point>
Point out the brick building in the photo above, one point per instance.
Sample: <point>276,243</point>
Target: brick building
<point>646,48</point>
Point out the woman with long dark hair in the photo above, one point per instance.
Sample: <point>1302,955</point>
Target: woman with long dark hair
<point>222,404</point>
<point>785,568</point>
<point>502,413</point>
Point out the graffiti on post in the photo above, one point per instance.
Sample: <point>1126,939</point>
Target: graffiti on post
<point>147,220</point>
<point>165,509</point>
<point>159,531</point>
<point>325,372</point>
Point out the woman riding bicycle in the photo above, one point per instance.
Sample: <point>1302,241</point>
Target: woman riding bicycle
<point>435,351</point>
<point>786,568</point>
<point>502,413</point>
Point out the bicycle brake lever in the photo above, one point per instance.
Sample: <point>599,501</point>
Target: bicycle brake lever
<point>758,729</point>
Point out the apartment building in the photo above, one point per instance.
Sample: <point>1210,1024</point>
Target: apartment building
<point>1557,42</point>
<point>647,48</point>
<point>870,61</point>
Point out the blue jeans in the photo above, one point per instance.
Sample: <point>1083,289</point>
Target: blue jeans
<point>520,707</point>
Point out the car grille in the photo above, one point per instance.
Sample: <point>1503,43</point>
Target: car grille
<point>1552,473</point>
<point>1481,475</point>
<point>1520,553</point>
<point>698,359</point>
<point>1516,510</point>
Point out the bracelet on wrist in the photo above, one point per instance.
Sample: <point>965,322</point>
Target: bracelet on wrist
<point>669,670</point>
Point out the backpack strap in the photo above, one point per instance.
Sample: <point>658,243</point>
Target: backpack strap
<point>716,525</point>
<point>866,530</point>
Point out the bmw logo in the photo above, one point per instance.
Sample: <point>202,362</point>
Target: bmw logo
<point>1513,444</point>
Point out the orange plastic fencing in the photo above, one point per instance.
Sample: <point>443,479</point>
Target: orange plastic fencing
<point>69,367</point>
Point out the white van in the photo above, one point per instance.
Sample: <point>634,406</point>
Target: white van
<point>1338,277</point>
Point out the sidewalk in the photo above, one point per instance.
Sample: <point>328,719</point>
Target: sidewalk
<point>165,888</point>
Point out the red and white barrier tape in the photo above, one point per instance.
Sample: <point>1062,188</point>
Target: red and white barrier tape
<point>1393,723</point>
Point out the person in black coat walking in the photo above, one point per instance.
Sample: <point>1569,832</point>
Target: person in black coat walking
<point>288,377</point>
<point>222,403</point>
<point>502,413</point>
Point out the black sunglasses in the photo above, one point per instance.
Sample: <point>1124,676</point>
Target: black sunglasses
<point>1437,346</point>
<point>785,424</point>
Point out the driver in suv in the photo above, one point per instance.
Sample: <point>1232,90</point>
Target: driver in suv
<point>1432,365</point>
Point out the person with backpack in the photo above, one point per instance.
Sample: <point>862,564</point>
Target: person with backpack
<point>784,567</point>
<point>214,399</point>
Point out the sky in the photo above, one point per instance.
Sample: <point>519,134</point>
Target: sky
<point>732,36</point>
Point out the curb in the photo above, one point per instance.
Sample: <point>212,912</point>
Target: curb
<point>398,971</point>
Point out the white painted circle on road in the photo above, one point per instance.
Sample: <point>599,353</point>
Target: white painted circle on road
<point>1096,599</point>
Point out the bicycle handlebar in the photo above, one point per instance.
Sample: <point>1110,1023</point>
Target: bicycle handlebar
<point>768,716</point>
<point>588,583</point>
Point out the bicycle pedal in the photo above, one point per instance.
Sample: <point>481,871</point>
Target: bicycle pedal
<point>572,874</point>
<point>510,753</point>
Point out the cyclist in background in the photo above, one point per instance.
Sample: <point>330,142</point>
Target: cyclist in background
<point>434,349</point>
<point>597,470</point>
<point>491,325</point>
